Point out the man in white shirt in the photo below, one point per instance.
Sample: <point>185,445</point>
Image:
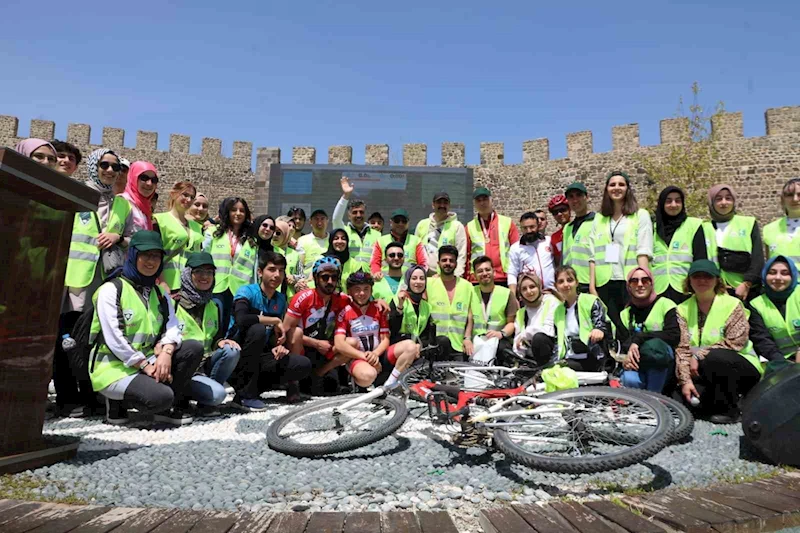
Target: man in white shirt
<point>533,253</point>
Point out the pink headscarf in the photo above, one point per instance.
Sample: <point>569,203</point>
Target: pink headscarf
<point>28,146</point>
<point>639,302</point>
<point>133,195</point>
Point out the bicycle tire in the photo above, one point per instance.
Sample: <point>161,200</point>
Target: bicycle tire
<point>421,371</point>
<point>683,420</point>
<point>286,444</point>
<point>634,453</point>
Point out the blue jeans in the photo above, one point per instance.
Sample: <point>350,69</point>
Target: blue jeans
<point>209,389</point>
<point>652,379</point>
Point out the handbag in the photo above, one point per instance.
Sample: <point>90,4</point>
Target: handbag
<point>732,261</point>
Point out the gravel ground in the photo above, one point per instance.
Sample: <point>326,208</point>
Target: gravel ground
<point>224,463</point>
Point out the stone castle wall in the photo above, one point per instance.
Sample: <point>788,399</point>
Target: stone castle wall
<point>756,166</point>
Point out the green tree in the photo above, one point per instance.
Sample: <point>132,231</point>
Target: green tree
<point>688,164</point>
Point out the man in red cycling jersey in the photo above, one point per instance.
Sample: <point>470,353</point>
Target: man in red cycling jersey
<point>361,339</point>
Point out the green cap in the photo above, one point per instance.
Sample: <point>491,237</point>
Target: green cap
<point>400,213</point>
<point>199,259</point>
<point>146,240</point>
<point>481,191</point>
<point>575,186</point>
<point>704,265</point>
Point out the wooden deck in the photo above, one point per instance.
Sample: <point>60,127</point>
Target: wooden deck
<point>767,505</point>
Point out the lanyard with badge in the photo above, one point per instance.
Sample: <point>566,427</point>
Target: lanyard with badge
<point>612,248</point>
<point>233,240</point>
<point>486,229</point>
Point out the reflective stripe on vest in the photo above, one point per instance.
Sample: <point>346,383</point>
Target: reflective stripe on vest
<point>361,250</point>
<point>204,332</point>
<point>478,244</point>
<point>601,235</point>
<point>83,250</point>
<point>178,242</point>
<point>447,237</point>
<point>230,275</point>
<point>779,241</point>
<point>671,263</point>
<point>409,251</point>
<point>655,318</point>
<point>414,324</point>
<point>785,331</point>
<point>450,317</point>
<point>714,329</point>
<point>585,324</point>
<point>736,237</point>
<point>491,317</point>
<point>576,251</point>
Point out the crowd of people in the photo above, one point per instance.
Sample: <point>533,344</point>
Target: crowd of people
<point>184,302</point>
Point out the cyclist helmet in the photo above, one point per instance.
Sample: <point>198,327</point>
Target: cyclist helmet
<point>359,278</point>
<point>557,200</point>
<point>326,263</point>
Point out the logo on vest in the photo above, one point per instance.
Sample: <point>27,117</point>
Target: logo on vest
<point>85,218</point>
<point>742,233</point>
<point>181,325</point>
<point>459,306</point>
<point>676,245</point>
<point>247,253</point>
<point>796,324</point>
<point>211,324</point>
<point>127,314</point>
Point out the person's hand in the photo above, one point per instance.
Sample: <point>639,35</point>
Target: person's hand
<point>694,368</point>
<point>518,343</point>
<point>631,361</point>
<point>323,346</point>
<point>163,367</point>
<point>347,187</point>
<point>280,333</point>
<point>165,287</point>
<point>149,370</point>
<point>371,358</point>
<point>688,391</point>
<point>742,290</point>
<point>401,298</point>
<point>593,290</point>
<point>469,349</point>
<point>107,240</point>
<point>383,307</point>
<point>279,352</point>
<point>494,335</point>
<point>301,285</point>
<point>206,224</point>
<point>596,336</point>
<point>228,342</point>
<point>378,276</point>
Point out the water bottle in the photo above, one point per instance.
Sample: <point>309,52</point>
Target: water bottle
<point>67,342</point>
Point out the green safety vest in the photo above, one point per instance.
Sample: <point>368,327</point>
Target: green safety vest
<point>492,317</point>
<point>83,250</point>
<point>140,326</point>
<point>293,267</point>
<point>671,263</point>
<point>414,324</point>
<point>549,306</point>
<point>205,332</point>
<point>450,317</point>
<point>575,250</point>
<point>311,250</point>
<point>785,331</point>
<point>714,329</point>
<point>655,318</point>
<point>232,274</point>
<point>409,249</point>
<point>737,238</point>
<point>478,243</point>
<point>778,241</point>
<point>178,243</point>
<point>361,249</point>
<point>585,303</point>
<point>120,211</point>
<point>448,236</point>
<point>601,237</point>
<point>383,291</point>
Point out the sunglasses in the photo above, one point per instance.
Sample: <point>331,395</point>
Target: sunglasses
<point>560,210</point>
<point>637,281</point>
<point>395,256</point>
<point>145,178</point>
<point>268,226</point>
<point>400,220</point>
<point>116,167</point>
<point>329,277</point>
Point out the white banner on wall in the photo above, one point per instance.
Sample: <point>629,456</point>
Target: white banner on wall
<point>391,181</point>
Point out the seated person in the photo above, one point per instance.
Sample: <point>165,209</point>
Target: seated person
<point>362,337</point>
<point>649,334</point>
<point>775,314</point>
<point>582,325</point>
<point>199,319</point>
<point>410,314</point>
<point>389,285</point>
<point>265,361</point>
<point>494,308</point>
<point>534,327</point>
<point>139,357</point>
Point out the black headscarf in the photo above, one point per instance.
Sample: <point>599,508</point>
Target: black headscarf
<point>263,245</point>
<point>341,256</point>
<point>666,225</point>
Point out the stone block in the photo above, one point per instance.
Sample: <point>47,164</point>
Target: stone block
<point>783,120</point>
<point>43,129</point>
<point>674,130</point>
<point>179,144</point>
<point>242,150</point>
<point>147,140</point>
<point>625,137</point>
<point>536,151</point>
<point>579,144</point>
<point>113,138</point>
<point>453,154</point>
<point>304,155</point>
<point>726,126</point>
<point>340,155</point>
<point>415,155</point>
<point>79,134</point>
<point>376,154</point>
<point>211,147</point>
<point>492,154</point>
<point>9,126</point>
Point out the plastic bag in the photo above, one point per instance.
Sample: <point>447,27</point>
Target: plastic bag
<point>483,355</point>
<point>559,378</point>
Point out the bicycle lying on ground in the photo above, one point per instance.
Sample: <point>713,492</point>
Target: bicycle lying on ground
<point>584,430</point>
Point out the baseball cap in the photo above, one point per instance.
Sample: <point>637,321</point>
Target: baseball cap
<point>441,195</point>
<point>706,266</point>
<point>575,186</point>
<point>124,162</point>
<point>400,213</point>
<point>199,259</point>
<point>318,212</point>
<point>481,191</point>
<point>147,240</point>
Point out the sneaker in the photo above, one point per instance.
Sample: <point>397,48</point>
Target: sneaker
<point>730,418</point>
<point>116,413</point>
<point>249,405</point>
<point>293,393</point>
<point>175,416</point>
<point>207,411</point>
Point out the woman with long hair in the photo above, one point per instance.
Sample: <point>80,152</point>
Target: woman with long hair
<point>621,239</point>
<point>180,234</point>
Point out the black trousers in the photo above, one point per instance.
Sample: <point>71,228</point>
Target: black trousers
<point>724,376</point>
<point>71,389</point>
<point>149,396</point>
<point>541,349</point>
<point>615,295</point>
<point>258,370</point>
<point>595,360</point>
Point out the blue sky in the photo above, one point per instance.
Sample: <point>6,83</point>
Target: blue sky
<point>359,72</point>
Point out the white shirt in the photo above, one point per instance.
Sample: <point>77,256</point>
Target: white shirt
<point>573,331</point>
<point>536,322</point>
<point>534,258</point>
<point>620,229</point>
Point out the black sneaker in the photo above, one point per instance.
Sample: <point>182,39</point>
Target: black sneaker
<point>207,411</point>
<point>175,416</point>
<point>729,418</point>
<point>116,413</point>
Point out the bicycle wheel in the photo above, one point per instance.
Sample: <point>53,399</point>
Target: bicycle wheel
<point>599,429</point>
<point>682,418</point>
<point>321,428</point>
<point>465,376</point>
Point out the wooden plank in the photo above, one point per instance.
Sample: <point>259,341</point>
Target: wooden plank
<point>145,521</point>
<point>436,522</point>
<point>180,522</point>
<point>671,517</point>
<point>8,504</point>
<point>582,518</point>
<point>362,522</point>
<point>37,516</point>
<point>257,522</point>
<point>70,520</point>
<point>18,511</point>
<point>215,522</point>
<point>760,497</point>
<point>288,523</point>
<point>763,519</point>
<point>107,521</point>
<point>503,520</point>
<point>399,522</point>
<point>778,488</point>
<point>689,508</point>
<point>325,523</point>
<point>543,520</point>
<point>733,515</point>
<point>623,517</point>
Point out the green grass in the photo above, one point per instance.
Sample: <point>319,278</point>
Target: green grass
<point>22,487</point>
<point>618,501</point>
<point>726,477</point>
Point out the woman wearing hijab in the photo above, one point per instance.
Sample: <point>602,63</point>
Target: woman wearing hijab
<point>262,231</point>
<point>199,211</point>
<point>140,357</point>
<point>132,210</point>
<point>200,319</point>
<point>339,247</point>
<point>775,315</point>
<point>735,243</point>
<point>678,240</point>
<point>649,334</point>
<point>534,327</point>
<point>39,150</point>
<point>781,236</point>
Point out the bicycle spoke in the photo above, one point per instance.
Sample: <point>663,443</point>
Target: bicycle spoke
<point>325,426</point>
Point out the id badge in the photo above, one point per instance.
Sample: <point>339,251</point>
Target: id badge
<point>612,253</point>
